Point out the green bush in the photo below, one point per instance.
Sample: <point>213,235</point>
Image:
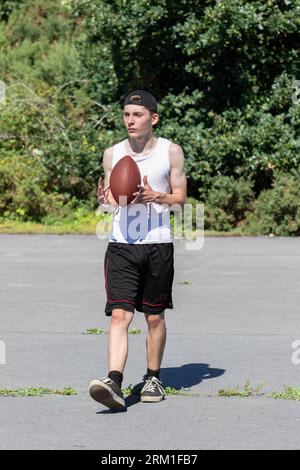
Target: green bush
<point>277,210</point>
<point>221,70</point>
<point>7,186</point>
<point>34,204</point>
<point>227,203</point>
<point>7,7</point>
<point>23,191</point>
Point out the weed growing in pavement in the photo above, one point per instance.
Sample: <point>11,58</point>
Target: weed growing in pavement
<point>35,391</point>
<point>94,331</point>
<point>246,391</point>
<point>289,393</point>
<point>100,331</point>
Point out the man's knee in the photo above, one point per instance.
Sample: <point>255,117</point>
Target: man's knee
<point>154,321</point>
<point>120,316</point>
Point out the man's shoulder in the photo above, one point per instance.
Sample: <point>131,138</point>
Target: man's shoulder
<point>110,150</point>
<point>175,153</point>
<point>174,148</point>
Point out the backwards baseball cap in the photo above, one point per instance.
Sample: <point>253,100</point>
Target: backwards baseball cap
<point>141,98</point>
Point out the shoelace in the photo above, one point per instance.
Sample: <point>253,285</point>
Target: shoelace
<point>151,385</point>
<point>106,380</point>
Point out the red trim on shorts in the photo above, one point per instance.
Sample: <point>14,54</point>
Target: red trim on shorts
<point>106,269</point>
<point>131,302</point>
<point>147,303</point>
<point>122,300</point>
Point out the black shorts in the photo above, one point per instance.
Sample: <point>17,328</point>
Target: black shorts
<point>139,276</point>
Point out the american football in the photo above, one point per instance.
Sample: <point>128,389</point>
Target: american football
<point>124,180</point>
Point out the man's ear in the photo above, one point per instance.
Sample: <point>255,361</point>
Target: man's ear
<point>155,119</point>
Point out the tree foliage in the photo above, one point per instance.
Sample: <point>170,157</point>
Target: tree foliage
<point>223,73</point>
<point>221,70</point>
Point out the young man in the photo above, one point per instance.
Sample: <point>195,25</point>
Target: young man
<point>139,264</point>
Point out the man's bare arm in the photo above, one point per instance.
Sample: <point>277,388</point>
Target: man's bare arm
<point>104,194</point>
<point>177,179</point>
<point>107,165</point>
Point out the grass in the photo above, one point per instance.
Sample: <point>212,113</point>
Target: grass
<point>94,331</point>
<point>130,390</point>
<point>246,391</point>
<point>288,393</point>
<point>180,391</point>
<point>100,331</point>
<point>59,227</point>
<point>135,331</point>
<point>35,392</point>
<point>184,283</point>
<point>79,221</point>
<point>85,223</point>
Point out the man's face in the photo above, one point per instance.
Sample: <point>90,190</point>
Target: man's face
<point>138,120</point>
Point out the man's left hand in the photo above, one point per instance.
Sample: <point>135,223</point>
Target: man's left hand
<point>145,193</point>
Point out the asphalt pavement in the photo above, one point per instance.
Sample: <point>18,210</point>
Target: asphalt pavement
<point>235,319</point>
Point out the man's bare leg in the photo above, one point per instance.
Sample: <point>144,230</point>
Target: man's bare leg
<point>156,340</point>
<point>118,339</point>
<point>108,389</point>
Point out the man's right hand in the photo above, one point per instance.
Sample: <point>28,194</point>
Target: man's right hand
<point>104,195</point>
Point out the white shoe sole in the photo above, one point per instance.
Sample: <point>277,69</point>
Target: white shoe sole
<point>152,399</point>
<point>102,393</point>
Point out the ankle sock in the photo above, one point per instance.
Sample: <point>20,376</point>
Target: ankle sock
<point>153,373</point>
<point>116,376</point>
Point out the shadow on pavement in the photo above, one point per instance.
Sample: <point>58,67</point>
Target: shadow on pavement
<point>188,375</point>
<point>176,377</point>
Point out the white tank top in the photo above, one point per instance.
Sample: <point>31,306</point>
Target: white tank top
<point>150,222</point>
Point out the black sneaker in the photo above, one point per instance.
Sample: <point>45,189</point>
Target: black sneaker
<point>152,390</point>
<point>107,392</point>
